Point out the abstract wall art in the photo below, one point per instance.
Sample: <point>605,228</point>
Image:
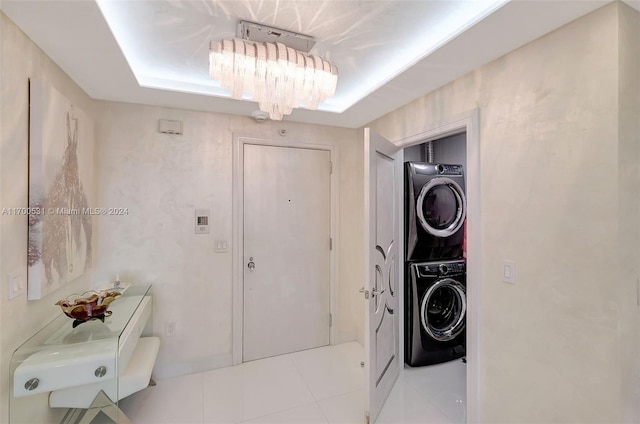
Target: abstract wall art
<point>61,187</point>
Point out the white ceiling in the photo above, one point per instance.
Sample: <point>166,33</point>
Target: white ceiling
<point>387,52</point>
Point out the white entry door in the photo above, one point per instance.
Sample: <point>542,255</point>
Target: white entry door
<point>286,247</point>
<point>383,174</point>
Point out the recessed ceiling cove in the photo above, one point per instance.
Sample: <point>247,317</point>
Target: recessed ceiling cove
<point>166,43</point>
<point>387,52</point>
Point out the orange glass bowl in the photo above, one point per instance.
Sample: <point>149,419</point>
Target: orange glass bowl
<point>88,305</point>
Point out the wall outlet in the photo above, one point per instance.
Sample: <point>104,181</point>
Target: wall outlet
<point>170,328</point>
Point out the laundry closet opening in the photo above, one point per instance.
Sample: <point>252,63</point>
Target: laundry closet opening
<point>450,150</point>
<point>435,277</point>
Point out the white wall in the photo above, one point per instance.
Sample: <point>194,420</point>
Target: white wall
<point>550,192</point>
<point>161,179</point>
<point>19,319</point>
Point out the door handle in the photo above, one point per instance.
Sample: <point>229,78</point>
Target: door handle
<point>366,292</point>
<point>251,265</point>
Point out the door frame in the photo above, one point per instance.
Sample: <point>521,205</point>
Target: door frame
<point>468,122</point>
<point>237,313</point>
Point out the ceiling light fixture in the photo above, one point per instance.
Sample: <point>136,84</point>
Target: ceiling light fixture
<point>276,76</point>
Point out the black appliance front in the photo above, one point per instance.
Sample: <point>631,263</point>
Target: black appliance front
<point>435,211</point>
<point>435,312</point>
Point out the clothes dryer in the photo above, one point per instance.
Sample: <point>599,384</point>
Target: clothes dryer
<point>435,312</point>
<point>435,211</point>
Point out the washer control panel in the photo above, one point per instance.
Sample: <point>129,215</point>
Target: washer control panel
<point>440,268</point>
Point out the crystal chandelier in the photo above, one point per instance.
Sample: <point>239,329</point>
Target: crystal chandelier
<point>278,77</point>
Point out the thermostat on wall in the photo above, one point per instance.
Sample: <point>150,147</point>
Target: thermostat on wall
<point>202,221</point>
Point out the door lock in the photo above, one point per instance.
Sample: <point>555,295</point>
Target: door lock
<point>251,265</point>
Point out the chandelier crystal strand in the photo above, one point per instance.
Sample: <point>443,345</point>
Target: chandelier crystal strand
<point>309,74</point>
<point>317,81</point>
<point>279,92</point>
<point>270,88</point>
<point>228,57</point>
<point>298,92</point>
<point>260,75</point>
<point>293,98</point>
<point>278,77</point>
<point>248,82</point>
<point>240,60</point>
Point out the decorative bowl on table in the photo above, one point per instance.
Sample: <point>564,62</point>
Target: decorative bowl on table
<point>88,305</point>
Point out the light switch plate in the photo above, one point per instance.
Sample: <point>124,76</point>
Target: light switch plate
<point>17,285</point>
<point>509,272</point>
<point>221,246</point>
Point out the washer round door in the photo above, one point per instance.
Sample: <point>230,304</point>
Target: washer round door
<point>441,207</point>
<point>443,309</point>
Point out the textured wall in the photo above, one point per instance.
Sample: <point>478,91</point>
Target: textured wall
<point>161,179</point>
<point>20,319</point>
<point>559,182</point>
<point>629,205</point>
<point>549,347</point>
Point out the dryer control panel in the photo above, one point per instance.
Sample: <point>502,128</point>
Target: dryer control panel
<point>436,168</point>
<point>449,169</point>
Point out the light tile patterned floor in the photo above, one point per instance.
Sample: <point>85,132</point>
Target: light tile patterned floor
<point>318,386</point>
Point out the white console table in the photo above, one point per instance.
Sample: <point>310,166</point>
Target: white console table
<point>86,369</point>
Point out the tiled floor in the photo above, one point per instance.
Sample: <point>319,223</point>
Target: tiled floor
<point>323,385</point>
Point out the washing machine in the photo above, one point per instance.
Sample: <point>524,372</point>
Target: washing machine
<point>435,211</point>
<point>435,312</point>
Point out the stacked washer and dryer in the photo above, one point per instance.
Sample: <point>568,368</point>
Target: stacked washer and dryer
<point>435,271</point>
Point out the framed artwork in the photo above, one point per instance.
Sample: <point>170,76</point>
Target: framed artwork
<point>61,190</point>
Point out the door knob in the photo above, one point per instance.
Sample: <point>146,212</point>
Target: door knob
<point>251,265</point>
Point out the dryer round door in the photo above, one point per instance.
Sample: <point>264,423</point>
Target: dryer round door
<point>443,309</point>
<point>441,207</point>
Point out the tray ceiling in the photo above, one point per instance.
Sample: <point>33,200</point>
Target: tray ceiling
<point>387,52</point>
